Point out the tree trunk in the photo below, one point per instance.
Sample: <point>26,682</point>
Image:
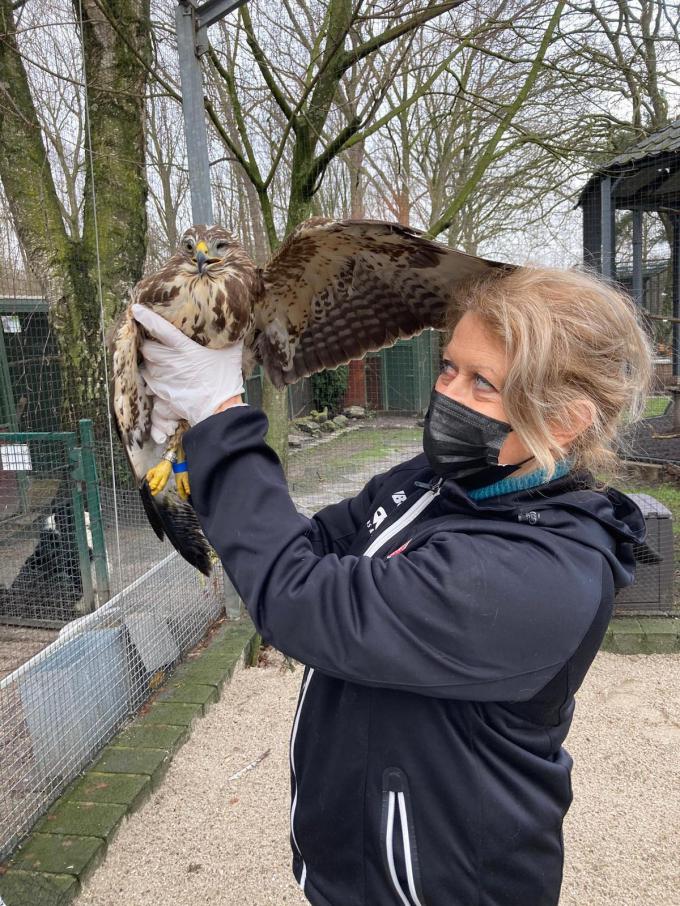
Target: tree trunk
<point>275,404</point>
<point>70,270</point>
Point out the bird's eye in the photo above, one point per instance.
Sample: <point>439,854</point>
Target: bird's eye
<point>188,244</point>
<point>221,247</point>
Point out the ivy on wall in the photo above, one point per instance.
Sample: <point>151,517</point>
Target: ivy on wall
<point>329,388</point>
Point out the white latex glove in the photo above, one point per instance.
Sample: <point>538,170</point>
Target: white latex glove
<point>188,380</point>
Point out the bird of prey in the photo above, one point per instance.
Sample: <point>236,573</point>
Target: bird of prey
<point>333,291</point>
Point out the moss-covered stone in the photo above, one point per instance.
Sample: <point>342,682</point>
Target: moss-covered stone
<point>233,629</point>
<point>608,642</point>
<point>86,819</point>
<point>28,888</point>
<point>177,714</point>
<point>661,634</point>
<point>192,693</point>
<point>120,760</point>
<point>151,736</point>
<point>60,855</point>
<point>225,655</point>
<point>204,673</point>
<point>628,637</point>
<point>95,786</point>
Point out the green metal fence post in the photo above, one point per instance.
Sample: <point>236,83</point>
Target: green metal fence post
<point>77,475</point>
<point>101,565</point>
<point>9,417</point>
<point>384,387</point>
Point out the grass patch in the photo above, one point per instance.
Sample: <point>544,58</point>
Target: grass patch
<point>656,405</point>
<point>350,458</point>
<point>377,444</point>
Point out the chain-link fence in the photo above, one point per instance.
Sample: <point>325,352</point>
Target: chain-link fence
<point>83,573</point>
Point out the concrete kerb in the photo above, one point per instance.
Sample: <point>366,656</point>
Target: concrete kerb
<point>643,635</point>
<point>70,840</point>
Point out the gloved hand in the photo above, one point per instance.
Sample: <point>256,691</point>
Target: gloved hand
<point>188,380</point>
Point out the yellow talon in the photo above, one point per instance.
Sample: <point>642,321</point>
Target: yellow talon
<point>182,482</point>
<point>158,476</point>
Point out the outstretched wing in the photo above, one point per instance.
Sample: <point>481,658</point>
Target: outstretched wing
<point>337,289</point>
<point>168,514</point>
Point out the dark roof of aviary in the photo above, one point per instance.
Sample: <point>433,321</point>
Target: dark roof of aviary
<point>647,173</point>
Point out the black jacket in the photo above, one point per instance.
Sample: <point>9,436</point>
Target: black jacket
<point>426,754</point>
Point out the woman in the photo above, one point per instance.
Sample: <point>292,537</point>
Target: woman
<point>449,612</point>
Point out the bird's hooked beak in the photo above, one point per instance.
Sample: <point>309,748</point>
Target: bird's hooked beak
<point>201,256</point>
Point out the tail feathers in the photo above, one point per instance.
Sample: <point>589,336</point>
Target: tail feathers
<point>151,510</point>
<point>173,517</point>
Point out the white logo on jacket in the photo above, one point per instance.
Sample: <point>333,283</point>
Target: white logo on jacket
<point>399,497</point>
<point>376,519</point>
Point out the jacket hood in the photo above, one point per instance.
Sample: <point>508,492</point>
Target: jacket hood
<point>614,525</point>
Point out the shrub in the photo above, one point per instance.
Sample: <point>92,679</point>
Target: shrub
<point>329,388</point>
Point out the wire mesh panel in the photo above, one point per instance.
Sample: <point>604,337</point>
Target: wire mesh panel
<point>94,610</point>
<point>58,709</point>
<point>45,571</point>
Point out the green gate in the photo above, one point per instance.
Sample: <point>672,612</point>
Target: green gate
<point>30,377</point>
<point>48,493</point>
<point>408,372</point>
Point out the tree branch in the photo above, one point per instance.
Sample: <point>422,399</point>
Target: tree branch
<point>112,21</point>
<point>408,102</point>
<point>487,157</point>
<point>263,64</point>
<point>332,150</point>
<point>238,116</point>
<point>390,34</point>
<point>226,138</point>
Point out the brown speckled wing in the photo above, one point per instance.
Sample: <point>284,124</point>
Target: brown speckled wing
<point>336,290</point>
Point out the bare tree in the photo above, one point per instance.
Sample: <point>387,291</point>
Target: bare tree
<point>302,59</point>
<point>108,252</point>
<point>167,176</point>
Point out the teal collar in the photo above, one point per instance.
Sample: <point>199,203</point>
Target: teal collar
<point>523,483</point>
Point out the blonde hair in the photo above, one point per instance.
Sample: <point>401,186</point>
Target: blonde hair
<point>569,337</point>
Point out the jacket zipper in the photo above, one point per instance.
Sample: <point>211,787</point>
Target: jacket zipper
<point>413,511</point>
<point>389,532</point>
<point>395,789</point>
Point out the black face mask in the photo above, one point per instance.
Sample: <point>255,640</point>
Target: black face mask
<point>460,443</point>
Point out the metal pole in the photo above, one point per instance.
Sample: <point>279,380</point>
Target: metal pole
<point>192,21</point>
<point>607,221</point>
<point>592,228</point>
<point>675,291</point>
<point>101,567</point>
<point>194,113</point>
<point>638,289</point>
<point>77,475</point>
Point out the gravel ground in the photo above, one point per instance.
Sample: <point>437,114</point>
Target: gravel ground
<point>212,836</point>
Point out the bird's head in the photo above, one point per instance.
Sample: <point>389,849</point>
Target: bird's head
<point>205,248</point>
